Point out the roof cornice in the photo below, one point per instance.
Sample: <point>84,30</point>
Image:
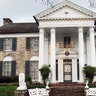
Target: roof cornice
<point>45,19</point>
<point>62,5</point>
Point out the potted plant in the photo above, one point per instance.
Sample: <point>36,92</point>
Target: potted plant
<point>89,72</point>
<point>44,70</point>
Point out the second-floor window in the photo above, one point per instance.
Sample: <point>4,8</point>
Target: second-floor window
<point>32,43</point>
<point>67,41</point>
<point>8,44</point>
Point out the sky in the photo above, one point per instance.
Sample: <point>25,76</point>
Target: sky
<point>24,10</point>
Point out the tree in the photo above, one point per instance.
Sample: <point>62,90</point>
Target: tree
<point>92,4</point>
<point>44,70</point>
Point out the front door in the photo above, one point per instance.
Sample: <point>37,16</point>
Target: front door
<point>67,70</point>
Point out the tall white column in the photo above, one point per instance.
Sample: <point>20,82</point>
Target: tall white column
<point>92,46</point>
<point>53,55</point>
<point>81,53</point>
<point>41,50</point>
<point>88,50</point>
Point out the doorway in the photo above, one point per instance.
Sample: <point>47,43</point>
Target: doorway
<point>67,70</point>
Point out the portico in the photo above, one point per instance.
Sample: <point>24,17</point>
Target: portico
<point>70,43</point>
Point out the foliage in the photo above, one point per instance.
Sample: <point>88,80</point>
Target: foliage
<point>89,72</point>
<point>45,70</point>
<point>8,79</point>
<point>27,78</point>
<point>7,90</point>
<point>35,85</point>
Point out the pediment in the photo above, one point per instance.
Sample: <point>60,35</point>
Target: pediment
<point>66,9</point>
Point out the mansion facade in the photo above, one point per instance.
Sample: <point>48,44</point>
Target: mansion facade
<point>63,38</point>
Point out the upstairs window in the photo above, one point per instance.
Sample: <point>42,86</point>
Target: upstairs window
<point>8,44</point>
<point>67,41</point>
<point>32,43</point>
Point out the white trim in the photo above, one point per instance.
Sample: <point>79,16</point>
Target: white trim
<point>34,58</point>
<point>7,58</point>
<point>63,4</point>
<point>19,35</point>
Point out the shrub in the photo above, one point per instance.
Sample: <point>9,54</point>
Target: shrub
<point>45,70</point>
<point>8,79</point>
<point>89,72</point>
<point>27,78</point>
<point>35,85</point>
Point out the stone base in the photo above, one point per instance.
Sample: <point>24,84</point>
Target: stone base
<point>21,93</point>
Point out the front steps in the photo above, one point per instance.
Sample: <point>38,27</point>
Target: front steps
<point>69,89</point>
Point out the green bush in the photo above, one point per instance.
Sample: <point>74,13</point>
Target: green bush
<point>27,78</point>
<point>35,85</point>
<point>45,70</point>
<point>8,79</point>
<point>89,72</point>
<point>7,90</point>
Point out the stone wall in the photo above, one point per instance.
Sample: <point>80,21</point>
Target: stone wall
<point>20,55</point>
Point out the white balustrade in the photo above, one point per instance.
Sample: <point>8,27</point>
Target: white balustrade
<point>38,92</point>
<point>91,92</point>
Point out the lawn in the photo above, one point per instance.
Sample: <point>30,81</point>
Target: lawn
<point>7,90</point>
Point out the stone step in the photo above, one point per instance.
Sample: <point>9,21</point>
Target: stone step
<point>67,84</point>
<point>67,91</point>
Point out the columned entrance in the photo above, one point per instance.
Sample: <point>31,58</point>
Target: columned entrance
<point>67,70</point>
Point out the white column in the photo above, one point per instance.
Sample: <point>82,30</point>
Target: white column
<point>92,46</point>
<point>81,53</point>
<point>46,51</point>
<point>53,55</point>
<point>41,50</point>
<point>88,50</point>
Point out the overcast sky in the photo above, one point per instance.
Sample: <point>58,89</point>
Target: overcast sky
<point>24,10</point>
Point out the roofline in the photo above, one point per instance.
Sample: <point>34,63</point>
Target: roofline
<point>36,20</point>
<point>55,7</point>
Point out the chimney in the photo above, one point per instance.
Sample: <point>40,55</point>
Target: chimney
<point>7,21</point>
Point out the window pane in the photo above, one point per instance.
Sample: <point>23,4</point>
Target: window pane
<point>6,68</point>
<point>8,44</point>
<point>67,42</point>
<point>34,70</point>
<point>34,42</point>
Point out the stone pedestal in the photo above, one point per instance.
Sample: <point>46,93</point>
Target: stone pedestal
<point>21,93</point>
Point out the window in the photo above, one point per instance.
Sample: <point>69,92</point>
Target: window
<point>7,68</point>
<point>78,69</point>
<point>32,43</point>
<point>34,70</point>
<point>67,40</point>
<point>56,69</point>
<point>8,44</point>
